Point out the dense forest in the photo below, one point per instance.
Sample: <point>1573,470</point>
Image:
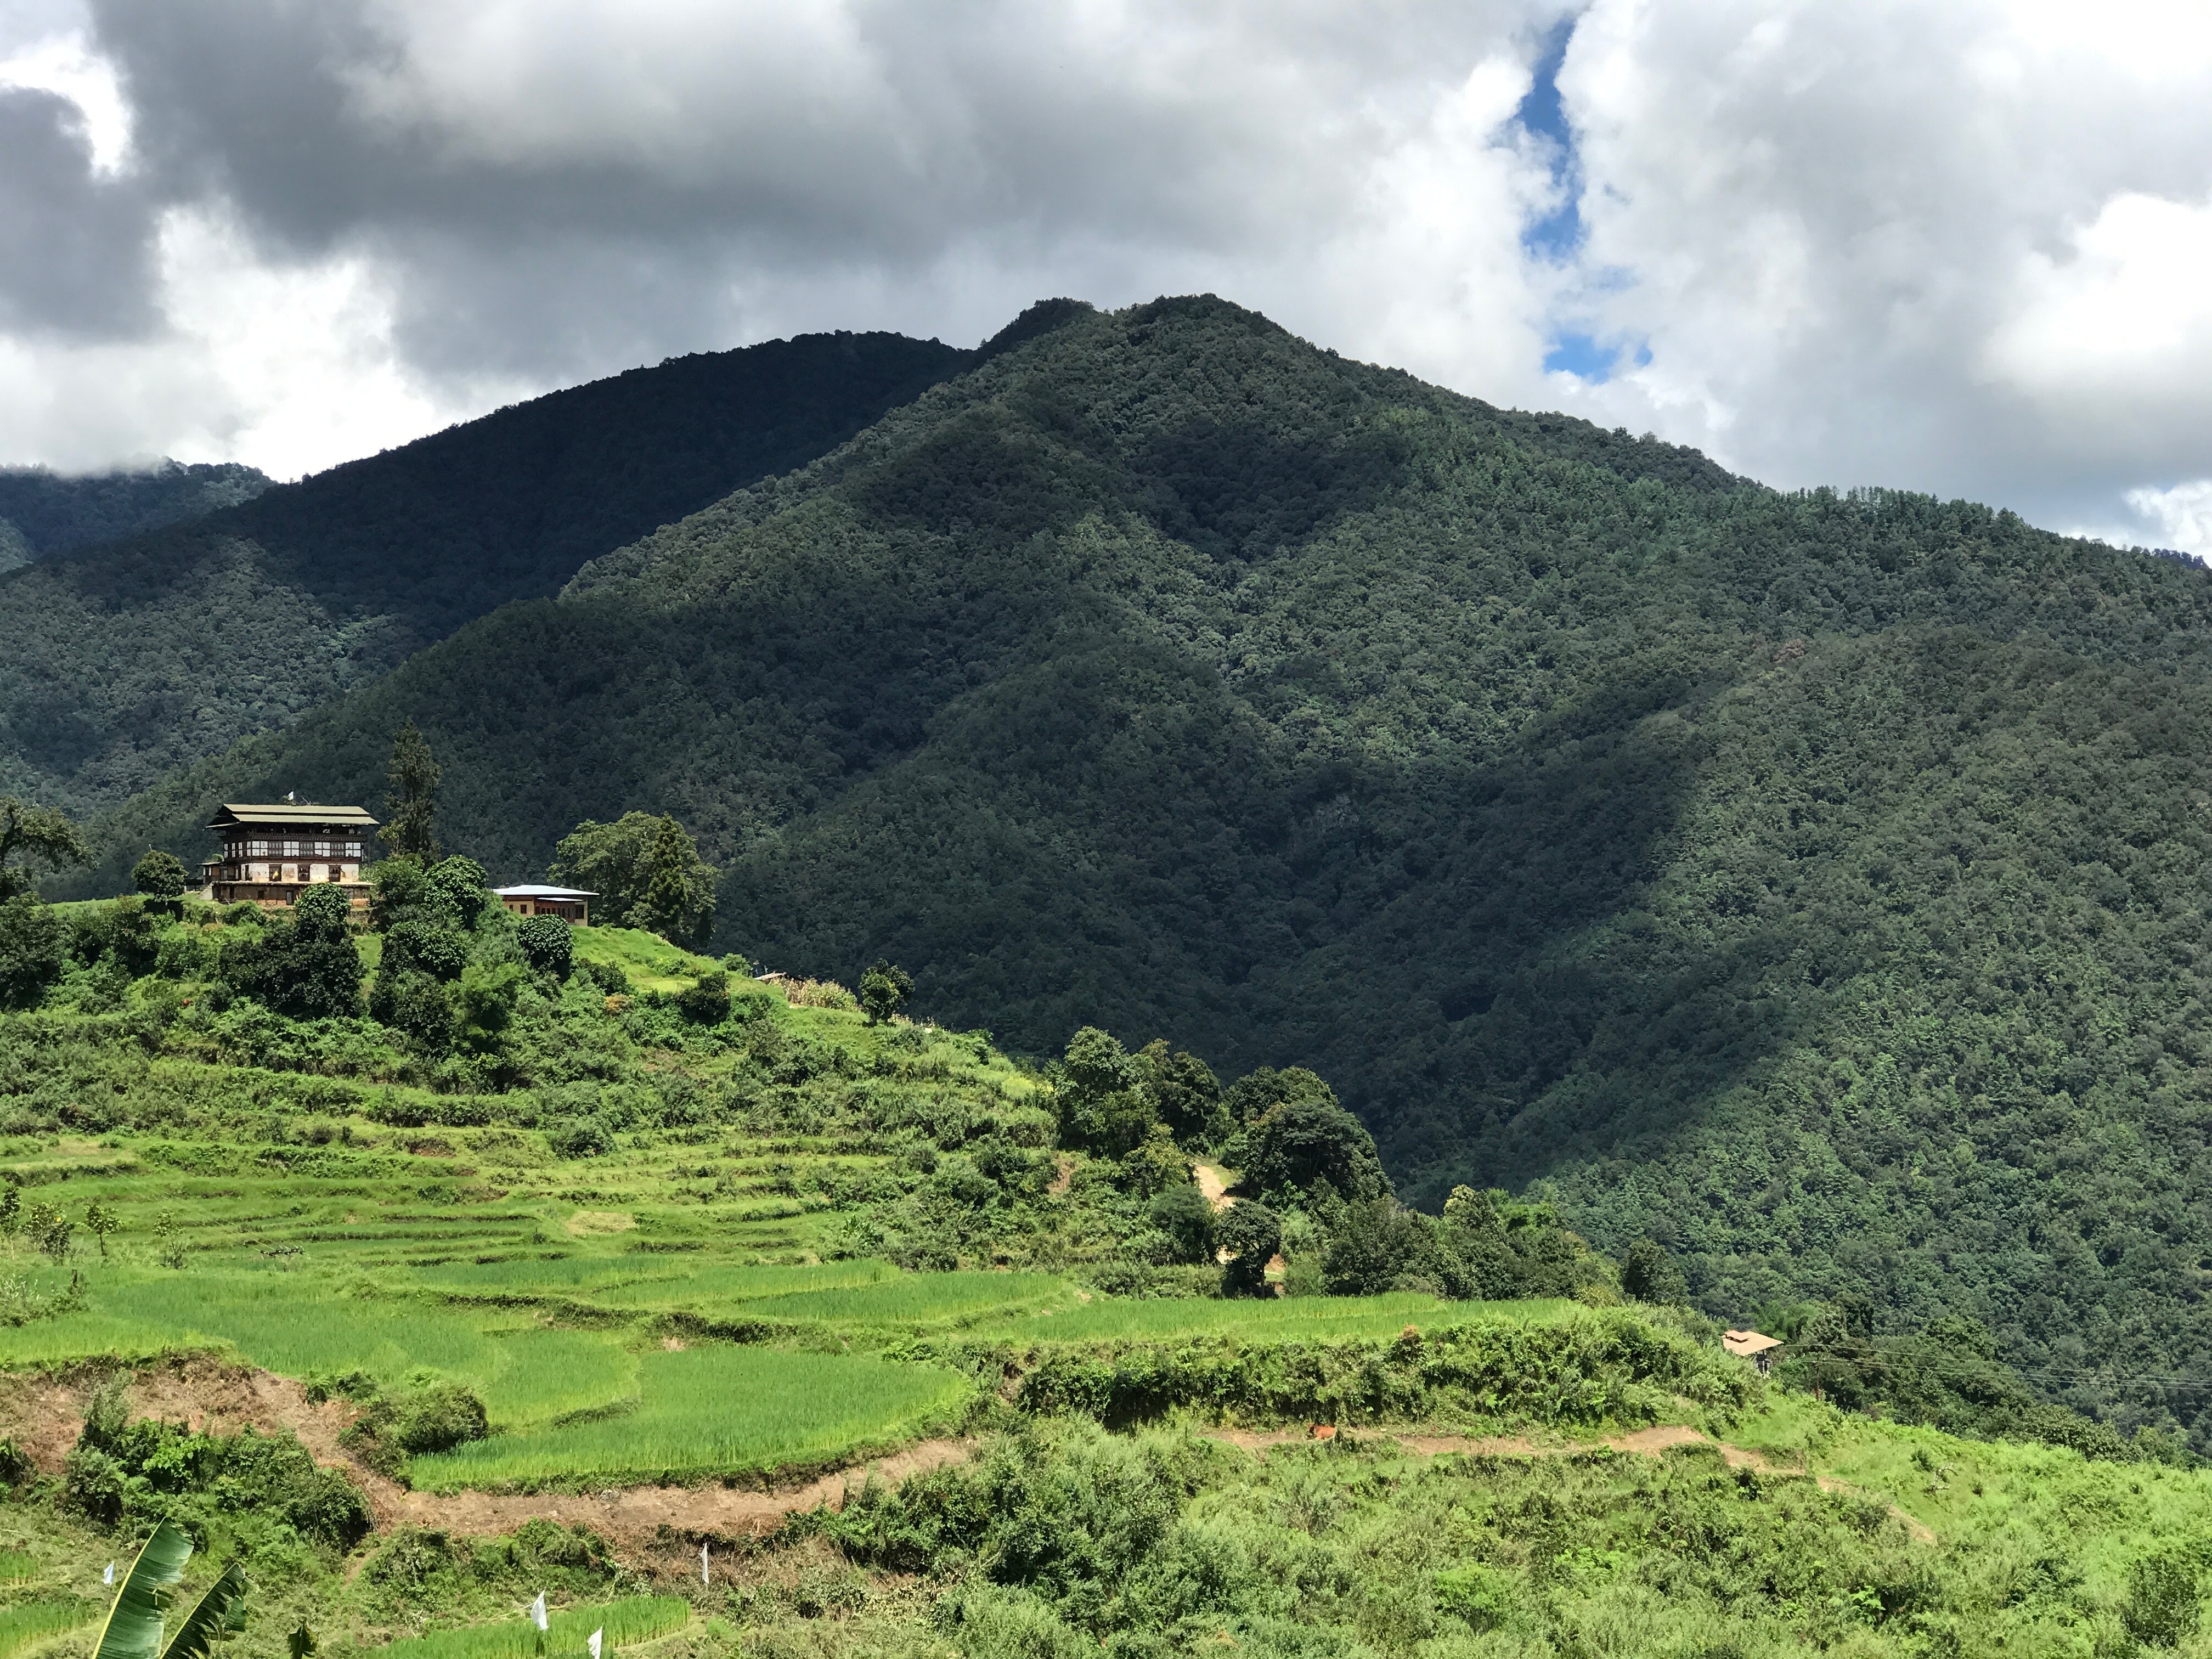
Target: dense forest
<point>43,511</point>
<point>119,662</point>
<point>1813,883</point>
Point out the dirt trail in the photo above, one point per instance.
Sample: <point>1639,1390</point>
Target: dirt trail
<point>45,1415</point>
<point>1648,1442</point>
<point>1211,1183</point>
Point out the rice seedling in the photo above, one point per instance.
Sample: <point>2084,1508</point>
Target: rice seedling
<point>627,1623</point>
<point>16,1566</point>
<point>715,1410</point>
<point>25,1626</point>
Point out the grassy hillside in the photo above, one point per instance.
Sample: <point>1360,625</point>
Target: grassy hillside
<point>43,513</point>
<point>1815,883</point>
<point>121,662</point>
<point>414,1336</point>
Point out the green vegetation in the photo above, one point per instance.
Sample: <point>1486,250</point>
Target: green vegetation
<point>632,1621</point>
<point>1807,883</point>
<point>44,512</point>
<point>117,663</point>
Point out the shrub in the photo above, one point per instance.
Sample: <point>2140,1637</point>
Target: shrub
<point>1481,1595</point>
<point>1182,1213</point>
<point>1251,1233</point>
<point>1648,1274</point>
<point>583,1137</point>
<point>548,943</point>
<point>884,988</point>
<point>2161,1608</point>
<point>423,947</point>
<point>33,950</point>
<point>435,1418</point>
<point>707,1002</point>
<point>1306,1140</point>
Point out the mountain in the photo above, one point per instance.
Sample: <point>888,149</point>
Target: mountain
<point>43,511</point>
<point>121,662</point>
<point>1815,882</point>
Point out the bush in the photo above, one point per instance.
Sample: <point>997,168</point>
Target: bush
<point>1648,1274</point>
<point>707,1002</point>
<point>33,950</point>
<point>323,911</point>
<point>303,966</point>
<point>1183,1214</point>
<point>433,1418</point>
<point>583,1137</point>
<point>1251,1233</point>
<point>1299,1142</point>
<point>548,945</point>
<point>2162,1607</point>
<point>423,947</point>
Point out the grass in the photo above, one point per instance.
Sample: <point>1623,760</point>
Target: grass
<point>627,1623</point>
<point>16,1566</point>
<point>1289,1319</point>
<point>716,1409</point>
<point>33,1622</point>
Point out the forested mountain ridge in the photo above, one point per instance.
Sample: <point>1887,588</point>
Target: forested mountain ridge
<point>1813,882</point>
<point>121,662</point>
<point>43,511</point>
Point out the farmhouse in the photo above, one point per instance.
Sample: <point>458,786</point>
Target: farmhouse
<point>571,903</point>
<point>1753,1346</point>
<point>271,852</point>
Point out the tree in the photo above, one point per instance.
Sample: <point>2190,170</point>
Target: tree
<point>303,965</point>
<point>159,875</point>
<point>1252,1234</point>
<point>33,950</point>
<point>548,943</point>
<point>882,989</point>
<point>1648,1274</point>
<point>32,834</point>
<point>1186,1092</point>
<point>1105,1107</point>
<point>646,872</point>
<point>461,886</point>
<point>484,1002</point>
<point>707,1001</point>
<point>100,1221</point>
<point>1308,1140</point>
<point>411,803</point>
<point>1183,1213</point>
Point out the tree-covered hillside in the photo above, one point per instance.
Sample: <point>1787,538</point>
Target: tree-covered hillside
<point>1813,882</point>
<point>119,662</point>
<point>43,511</point>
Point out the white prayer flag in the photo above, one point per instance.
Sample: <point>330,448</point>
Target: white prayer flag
<point>108,1577</point>
<point>594,1645</point>
<point>702,1565</point>
<point>538,1611</point>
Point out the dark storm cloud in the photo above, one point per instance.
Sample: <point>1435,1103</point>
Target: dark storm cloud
<point>73,247</point>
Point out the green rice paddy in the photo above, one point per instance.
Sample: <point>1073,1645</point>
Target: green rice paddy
<point>627,1623</point>
<point>29,1623</point>
<point>729,1409</point>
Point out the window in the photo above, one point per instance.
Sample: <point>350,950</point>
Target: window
<point>338,873</point>
<point>307,872</point>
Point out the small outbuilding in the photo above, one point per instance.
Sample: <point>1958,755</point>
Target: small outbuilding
<point>570,903</point>
<point>1754,1345</point>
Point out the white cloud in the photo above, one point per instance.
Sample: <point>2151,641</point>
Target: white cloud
<point>2181,516</point>
<point>1952,245</point>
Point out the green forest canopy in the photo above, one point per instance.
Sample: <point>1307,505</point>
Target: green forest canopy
<point>1812,882</point>
<point>119,662</point>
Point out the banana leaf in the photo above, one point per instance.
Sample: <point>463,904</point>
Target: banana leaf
<point>133,1630</point>
<point>219,1612</point>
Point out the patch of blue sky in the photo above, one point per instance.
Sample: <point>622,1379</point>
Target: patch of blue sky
<point>1558,234</point>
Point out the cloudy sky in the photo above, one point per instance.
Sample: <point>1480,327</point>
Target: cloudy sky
<point>1958,246</point>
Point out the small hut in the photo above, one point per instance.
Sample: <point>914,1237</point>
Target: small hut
<point>1754,1345</point>
<point>570,903</point>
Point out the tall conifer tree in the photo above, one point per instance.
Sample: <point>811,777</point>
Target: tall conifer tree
<point>412,804</point>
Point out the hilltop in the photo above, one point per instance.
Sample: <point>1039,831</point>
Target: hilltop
<point>120,661</point>
<point>43,511</point>
<point>1811,881</point>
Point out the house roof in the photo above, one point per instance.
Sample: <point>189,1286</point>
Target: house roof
<point>1744,1344</point>
<point>527,890</point>
<point>287,812</point>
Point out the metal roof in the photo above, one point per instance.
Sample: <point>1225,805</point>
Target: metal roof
<point>528,891</point>
<point>287,811</point>
<point>1746,1343</point>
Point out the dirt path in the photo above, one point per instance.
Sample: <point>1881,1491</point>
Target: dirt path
<point>1648,1442</point>
<point>1211,1183</point>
